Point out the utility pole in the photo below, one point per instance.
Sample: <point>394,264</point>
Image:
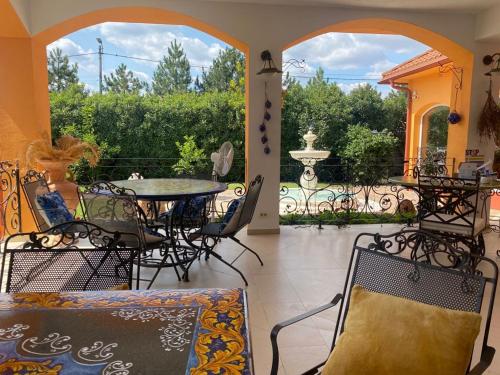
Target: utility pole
<point>101,51</point>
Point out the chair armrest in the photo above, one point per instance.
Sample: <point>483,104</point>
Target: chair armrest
<point>278,327</point>
<point>486,358</point>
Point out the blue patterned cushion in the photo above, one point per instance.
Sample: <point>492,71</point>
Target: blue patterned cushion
<point>194,210</point>
<point>54,208</point>
<point>231,210</point>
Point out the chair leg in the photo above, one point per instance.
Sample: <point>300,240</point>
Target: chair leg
<point>246,247</point>
<point>218,257</point>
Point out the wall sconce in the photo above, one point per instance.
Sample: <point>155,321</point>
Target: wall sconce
<point>492,59</point>
<point>269,67</point>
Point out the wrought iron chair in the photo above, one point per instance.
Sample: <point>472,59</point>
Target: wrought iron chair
<point>451,208</point>
<point>73,256</point>
<point>418,266</point>
<point>116,208</point>
<point>212,232</point>
<point>34,184</point>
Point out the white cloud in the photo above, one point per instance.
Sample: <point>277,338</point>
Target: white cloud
<point>86,63</point>
<point>380,67</point>
<point>339,51</point>
<point>348,87</point>
<point>141,75</point>
<point>152,42</point>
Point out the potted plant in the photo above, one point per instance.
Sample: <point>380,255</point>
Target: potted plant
<point>55,160</point>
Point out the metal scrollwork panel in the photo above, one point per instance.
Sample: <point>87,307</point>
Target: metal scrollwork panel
<point>10,210</point>
<point>331,193</point>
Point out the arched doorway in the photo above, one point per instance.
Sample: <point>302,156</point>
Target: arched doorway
<point>461,57</point>
<point>145,15</point>
<point>434,132</point>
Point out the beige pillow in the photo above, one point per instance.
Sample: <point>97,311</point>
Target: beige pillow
<point>389,335</point>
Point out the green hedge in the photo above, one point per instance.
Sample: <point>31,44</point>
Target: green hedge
<point>133,126</point>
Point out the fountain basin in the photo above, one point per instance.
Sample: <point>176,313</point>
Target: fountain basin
<point>310,154</point>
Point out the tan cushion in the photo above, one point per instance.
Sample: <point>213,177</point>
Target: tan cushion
<point>459,226</point>
<point>391,336</point>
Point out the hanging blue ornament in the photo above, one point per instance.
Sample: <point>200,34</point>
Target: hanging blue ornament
<point>264,139</point>
<point>454,118</point>
<point>262,127</point>
<point>267,116</point>
<point>267,150</point>
<point>268,104</point>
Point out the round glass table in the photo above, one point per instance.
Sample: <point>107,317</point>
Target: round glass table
<point>180,228</point>
<point>171,189</point>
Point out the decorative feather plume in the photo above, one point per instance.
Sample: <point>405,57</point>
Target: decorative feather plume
<point>66,148</point>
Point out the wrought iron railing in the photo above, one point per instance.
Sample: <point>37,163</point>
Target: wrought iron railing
<point>345,193</point>
<point>10,199</point>
<point>342,192</point>
<point>110,169</point>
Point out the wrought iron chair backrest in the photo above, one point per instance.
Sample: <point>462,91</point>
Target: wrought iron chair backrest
<point>250,202</point>
<point>422,267</point>
<point>72,256</point>
<point>33,185</point>
<point>112,207</point>
<point>449,201</point>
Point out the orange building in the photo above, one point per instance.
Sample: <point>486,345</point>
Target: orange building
<point>432,82</point>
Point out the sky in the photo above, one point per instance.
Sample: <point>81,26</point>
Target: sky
<point>348,59</point>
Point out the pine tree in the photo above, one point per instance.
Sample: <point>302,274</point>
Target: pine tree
<point>123,81</point>
<point>227,72</point>
<point>318,79</point>
<point>198,87</point>
<point>173,73</point>
<point>61,73</point>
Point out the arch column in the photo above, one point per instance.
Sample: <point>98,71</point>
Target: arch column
<point>266,217</point>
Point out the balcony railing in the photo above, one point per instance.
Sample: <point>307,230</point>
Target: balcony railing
<point>10,209</point>
<point>345,192</point>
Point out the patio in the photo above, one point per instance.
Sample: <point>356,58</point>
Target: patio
<point>304,265</point>
<point>303,268</point>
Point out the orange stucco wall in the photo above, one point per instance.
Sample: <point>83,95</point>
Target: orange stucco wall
<point>431,89</point>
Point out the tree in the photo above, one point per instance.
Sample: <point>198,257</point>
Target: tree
<point>437,135</point>
<point>61,73</point>
<point>123,81</point>
<point>395,119</point>
<point>192,159</point>
<point>367,107</point>
<point>318,79</point>
<point>289,81</point>
<point>326,112</point>
<point>368,153</point>
<point>173,73</point>
<point>227,72</point>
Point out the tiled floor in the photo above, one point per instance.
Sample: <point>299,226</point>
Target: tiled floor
<point>304,268</point>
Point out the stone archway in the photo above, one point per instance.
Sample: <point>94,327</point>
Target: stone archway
<point>461,57</point>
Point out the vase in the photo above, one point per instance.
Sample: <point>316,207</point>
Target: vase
<point>56,178</point>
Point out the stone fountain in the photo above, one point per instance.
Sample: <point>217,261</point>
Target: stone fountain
<point>309,157</point>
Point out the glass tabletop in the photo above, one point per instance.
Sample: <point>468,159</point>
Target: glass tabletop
<point>165,189</point>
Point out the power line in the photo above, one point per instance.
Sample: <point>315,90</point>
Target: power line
<point>131,58</point>
<point>335,77</point>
